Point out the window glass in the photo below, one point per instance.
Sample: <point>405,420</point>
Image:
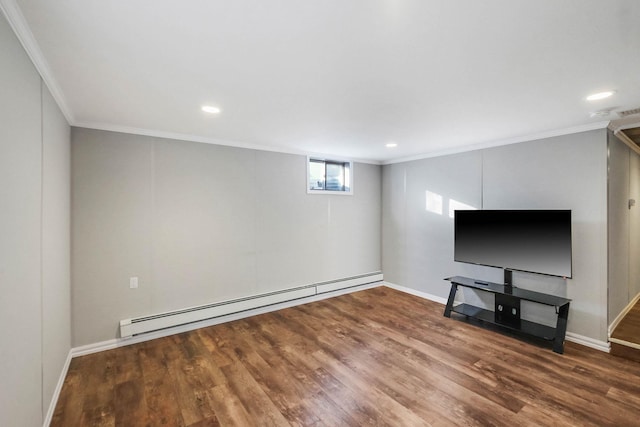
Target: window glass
<point>329,176</point>
<point>335,177</point>
<point>316,175</point>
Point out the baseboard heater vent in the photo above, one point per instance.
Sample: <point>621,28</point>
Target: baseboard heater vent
<point>141,325</point>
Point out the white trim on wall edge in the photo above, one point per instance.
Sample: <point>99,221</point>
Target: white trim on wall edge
<point>56,393</point>
<point>210,140</point>
<point>588,342</point>
<point>121,342</point>
<point>619,317</point>
<point>20,27</point>
<point>570,336</point>
<point>625,343</point>
<point>437,153</point>
<point>420,294</point>
<point>501,142</point>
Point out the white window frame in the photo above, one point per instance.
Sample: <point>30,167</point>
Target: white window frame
<point>349,164</point>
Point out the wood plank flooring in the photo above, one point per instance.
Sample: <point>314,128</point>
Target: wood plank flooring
<point>629,327</point>
<point>375,357</point>
<point>628,330</point>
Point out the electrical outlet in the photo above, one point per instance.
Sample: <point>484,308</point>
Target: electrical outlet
<point>133,282</point>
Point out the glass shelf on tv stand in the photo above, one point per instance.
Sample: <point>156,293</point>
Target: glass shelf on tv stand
<point>557,334</point>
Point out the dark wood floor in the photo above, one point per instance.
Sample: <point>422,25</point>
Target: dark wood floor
<point>376,357</point>
<point>629,328</point>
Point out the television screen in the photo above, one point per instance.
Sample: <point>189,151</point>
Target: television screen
<point>537,241</point>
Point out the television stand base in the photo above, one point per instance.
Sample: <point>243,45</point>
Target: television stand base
<point>507,313</point>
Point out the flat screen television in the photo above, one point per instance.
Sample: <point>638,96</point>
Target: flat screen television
<point>536,241</point>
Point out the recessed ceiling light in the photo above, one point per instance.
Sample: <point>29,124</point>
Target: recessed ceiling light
<point>600,95</point>
<point>391,145</point>
<point>210,109</point>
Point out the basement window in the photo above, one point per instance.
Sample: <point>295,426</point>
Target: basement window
<point>329,176</point>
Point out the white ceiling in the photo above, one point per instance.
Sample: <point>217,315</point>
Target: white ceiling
<point>340,77</point>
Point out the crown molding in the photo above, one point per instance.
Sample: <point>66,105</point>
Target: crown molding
<point>625,123</point>
<point>250,146</point>
<point>22,31</point>
<point>500,142</point>
<point>216,141</point>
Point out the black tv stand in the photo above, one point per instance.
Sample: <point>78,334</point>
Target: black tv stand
<point>507,309</point>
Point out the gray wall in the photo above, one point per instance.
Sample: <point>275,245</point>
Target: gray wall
<point>56,244</point>
<point>618,226</point>
<point>418,243</point>
<point>623,225</point>
<point>567,172</point>
<point>34,243</point>
<point>200,223</point>
<point>634,225</point>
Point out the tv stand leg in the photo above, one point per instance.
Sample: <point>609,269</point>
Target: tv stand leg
<point>452,297</point>
<point>561,329</point>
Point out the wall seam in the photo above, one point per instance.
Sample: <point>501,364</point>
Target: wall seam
<point>42,410</point>
<point>72,314</point>
<point>481,179</point>
<point>154,221</point>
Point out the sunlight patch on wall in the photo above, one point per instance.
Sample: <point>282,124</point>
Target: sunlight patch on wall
<point>434,202</point>
<point>455,205</point>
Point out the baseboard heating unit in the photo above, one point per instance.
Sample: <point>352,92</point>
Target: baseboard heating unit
<point>141,325</point>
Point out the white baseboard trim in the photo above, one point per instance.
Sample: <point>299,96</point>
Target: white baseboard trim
<point>97,347</point>
<point>588,342</point>
<point>412,291</point>
<point>623,313</point>
<point>570,336</point>
<point>56,393</point>
<point>121,342</point>
<point>625,343</point>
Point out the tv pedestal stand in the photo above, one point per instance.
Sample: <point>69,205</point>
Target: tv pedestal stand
<point>507,308</point>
